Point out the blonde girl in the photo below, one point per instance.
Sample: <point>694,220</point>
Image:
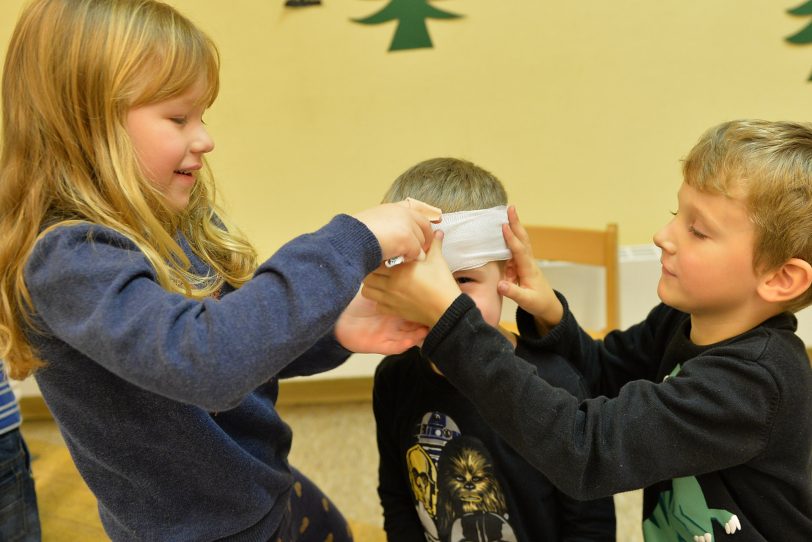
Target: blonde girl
<point>155,338</point>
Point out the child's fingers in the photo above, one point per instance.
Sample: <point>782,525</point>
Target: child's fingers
<point>379,276</point>
<point>516,226</point>
<point>511,290</point>
<point>516,239</point>
<point>374,289</point>
<point>436,249</point>
<point>432,213</point>
<point>513,242</point>
<point>424,224</point>
<point>524,297</point>
<point>422,233</point>
<point>380,271</point>
<point>422,215</point>
<point>510,237</point>
<point>420,237</point>
<point>380,298</point>
<point>403,233</point>
<point>522,255</point>
<point>386,310</point>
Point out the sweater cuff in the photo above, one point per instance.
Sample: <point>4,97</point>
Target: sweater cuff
<point>526,323</point>
<point>350,234</point>
<point>450,318</point>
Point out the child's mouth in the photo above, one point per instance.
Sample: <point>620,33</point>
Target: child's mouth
<point>183,172</point>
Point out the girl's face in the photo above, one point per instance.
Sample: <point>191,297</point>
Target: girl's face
<point>170,140</point>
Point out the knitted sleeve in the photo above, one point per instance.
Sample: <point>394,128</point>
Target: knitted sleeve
<point>601,446</point>
<point>97,293</point>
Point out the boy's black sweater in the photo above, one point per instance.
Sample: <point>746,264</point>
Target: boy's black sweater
<point>407,391</point>
<point>737,417</point>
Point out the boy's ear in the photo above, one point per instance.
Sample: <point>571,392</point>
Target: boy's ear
<point>787,282</point>
<point>510,274</point>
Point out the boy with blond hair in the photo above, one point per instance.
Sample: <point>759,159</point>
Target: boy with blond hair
<point>444,474</point>
<point>706,403</point>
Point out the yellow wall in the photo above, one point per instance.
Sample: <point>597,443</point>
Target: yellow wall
<point>582,108</point>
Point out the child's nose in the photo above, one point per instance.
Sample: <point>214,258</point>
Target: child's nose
<point>203,142</point>
<point>663,240</point>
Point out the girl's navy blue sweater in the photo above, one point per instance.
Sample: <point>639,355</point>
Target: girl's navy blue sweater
<point>167,403</point>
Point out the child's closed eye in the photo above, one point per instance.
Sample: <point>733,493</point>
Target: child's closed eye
<point>692,228</point>
<point>696,233</point>
<point>179,120</point>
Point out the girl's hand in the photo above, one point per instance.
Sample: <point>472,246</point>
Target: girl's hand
<point>417,291</point>
<point>361,328</point>
<point>402,229</point>
<point>530,289</point>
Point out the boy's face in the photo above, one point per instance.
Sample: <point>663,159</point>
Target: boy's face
<point>707,258</point>
<point>480,285</point>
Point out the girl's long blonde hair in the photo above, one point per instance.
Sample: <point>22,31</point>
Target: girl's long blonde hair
<point>73,70</point>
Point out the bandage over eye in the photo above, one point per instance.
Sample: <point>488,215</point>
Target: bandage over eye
<point>473,238</point>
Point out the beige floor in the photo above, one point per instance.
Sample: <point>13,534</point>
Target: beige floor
<point>333,444</point>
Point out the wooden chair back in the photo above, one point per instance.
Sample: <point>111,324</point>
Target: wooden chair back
<point>587,247</point>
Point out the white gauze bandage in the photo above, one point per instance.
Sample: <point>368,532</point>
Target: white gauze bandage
<point>473,238</point>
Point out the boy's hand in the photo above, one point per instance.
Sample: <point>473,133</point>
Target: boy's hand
<point>402,229</point>
<point>361,328</point>
<point>530,291</point>
<point>417,291</point>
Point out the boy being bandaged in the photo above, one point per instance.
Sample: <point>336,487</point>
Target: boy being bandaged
<point>444,473</point>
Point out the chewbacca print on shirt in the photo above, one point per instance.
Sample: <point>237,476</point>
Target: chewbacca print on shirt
<point>457,494</point>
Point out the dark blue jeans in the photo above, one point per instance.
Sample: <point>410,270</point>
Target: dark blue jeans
<point>311,517</point>
<point>19,517</point>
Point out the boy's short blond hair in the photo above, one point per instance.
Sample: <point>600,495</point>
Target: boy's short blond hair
<point>451,184</point>
<point>769,164</point>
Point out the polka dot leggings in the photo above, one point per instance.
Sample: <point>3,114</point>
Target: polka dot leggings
<point>312,516</point>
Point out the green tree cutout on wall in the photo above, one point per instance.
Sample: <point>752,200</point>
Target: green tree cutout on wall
<point>411,32</point>
<point>804,36</point>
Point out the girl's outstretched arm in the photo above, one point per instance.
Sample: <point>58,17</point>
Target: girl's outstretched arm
<point>96,295</point>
